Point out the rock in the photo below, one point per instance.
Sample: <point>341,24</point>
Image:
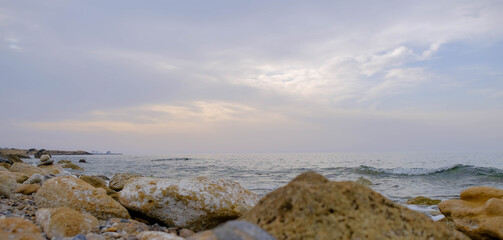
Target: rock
<point>94,181</point>
<point>52,168</point>
<point>19,229</point>
<point>27,189</point>
<point>2,168</point>
<point>82,161</point>
<point>364,181</point>
<point>5,160</point>
<point>479,212</point>
<point>64,161</point>
<point>65,222</point>
<point>26,169</point>
<point>68,164</point>
<point>128,226</point>
<point>20,177</point>
<point>185,233</point>
<point>312,207</point>
<point>79,195</point>
<point>7,185</point>
<point>45,157</point>
<point>37,178</point>
<point>423,201</point>
<point>39,153</point>
<point>48,162</point>
<point>102,177</point>
<point>199,203</point>
<point>119,179</point>
<point>234,230</point>
<point>156,235</point>
<point>5,165</point>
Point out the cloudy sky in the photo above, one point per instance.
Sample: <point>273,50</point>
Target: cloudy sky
<point>252,76</point>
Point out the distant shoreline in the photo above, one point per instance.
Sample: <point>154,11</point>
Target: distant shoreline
<point>32,151</point>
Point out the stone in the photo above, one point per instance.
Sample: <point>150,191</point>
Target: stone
<point>157,235</point>
<point>45,158</point>
<point>185,233</point>
<point>27,189</point>
<point>37,178</point>
<point>312,207</point>
<point>70,165</point>
<point>48,162</point>
<point>65,222</point>
<point>478,213</point>
<point>20,177</point>
<point>7,185</point>
<point>2,168</point>
<point>82,161</point>
<point>74,193</point>
<point>5,160</point>
<point>234,230</point>
<point>5,165</point>
<point>52,168</point>
<point>94,181</point>
<point>198,203</point>
<point>364,181</point>
<point>19,229</point>
<point>128,226</point>
<point>26,169</point>
<point>119,179</point>
<point>423,201</point>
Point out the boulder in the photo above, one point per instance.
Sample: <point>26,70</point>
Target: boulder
<point>479,212</point>
<point>52,168</point>
<point>7,185</point>
<point>65,222</point>
<point>94,181</point>
<point>20,177</point>
<point>119,179</point>
<point>26,169</point>
<point>37,178</point>
<point>48,162</point>
<point>19,229</point>
<point>27,189</point>
<point>68,164</point>
<point>157,235</point>
<point>198,203</point>
<point>45,157</point>
<point>2,168</point>
<point>423,201</point>
<point>76,194</point>
<point>312,207</point>
<point>5,165</point>
<point>234,230</point>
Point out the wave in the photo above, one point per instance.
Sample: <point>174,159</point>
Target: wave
<point>458,169</point>
<point>171,159</point>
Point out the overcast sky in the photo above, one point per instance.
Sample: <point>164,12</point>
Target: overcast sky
<point>252,76</point>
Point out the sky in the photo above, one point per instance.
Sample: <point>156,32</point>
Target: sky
<point>252,76</point>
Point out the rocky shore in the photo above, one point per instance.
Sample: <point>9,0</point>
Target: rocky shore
<point>48,202</point>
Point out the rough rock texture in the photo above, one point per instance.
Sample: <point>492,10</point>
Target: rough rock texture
<point>157,235</point>
<point>423,201</point>
<point>74,193</point>
<point>26,169</point>
<point>19,229</point>
<point>479,212</point>
<point>53,168</point>
<point>312,207</point>
<point>119,179</point>
<point>2,168</point>
<point>20,177</point>
<point>94,181</point>
<point>7,185</point>
<point>198,203</point>
<point>234,230</point>
<point>65,222</point>
<point>27,189</point>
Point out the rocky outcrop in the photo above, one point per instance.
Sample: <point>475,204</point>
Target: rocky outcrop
<point>79,195</point>
<point>19,229</point>
<point>234,230</point>
<point>478,212</point>
<point>312,207</point>
<point>198,203</point>
<point>65,222</point>
<point>118,180</point>
<point>26,169</point>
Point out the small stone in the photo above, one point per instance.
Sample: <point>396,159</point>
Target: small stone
<point>185,233</point>
<point>111,229</point>
<point>82,161</point>
<point>45,158</point>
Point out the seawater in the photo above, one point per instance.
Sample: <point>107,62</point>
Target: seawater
<point>398,176</point>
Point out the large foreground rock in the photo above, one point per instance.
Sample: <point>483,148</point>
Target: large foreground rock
<point>198,204</point>
<point>19,229</point>
<point>79,195</point>
<point>312,207</point>
<point>65,222</point>
<point>479,212</point>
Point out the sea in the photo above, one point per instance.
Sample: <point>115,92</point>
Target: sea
<point>397,176</point>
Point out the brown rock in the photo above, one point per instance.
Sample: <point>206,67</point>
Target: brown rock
<point>68,164</point>
<point>53,168</point>
<point>26,169</point>
<point>65,222</point>
<point>5,165</point>
<point>20,177</point>
<point>312,207</point>
<point>94,181</point>
<point>19,229</point>
<point>479,212</point>
<point>119,179</point>
<point>128,226</point>
<point>76,194</point>
<point>157,235</point>
<point>234,230</point>
<point>423,201</point>
<point>27,189</point>
<point>185,233</point>
<point>2,168</point>
<point>7,185</point>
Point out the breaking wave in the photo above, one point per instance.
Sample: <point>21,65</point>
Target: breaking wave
<point>458,169</point>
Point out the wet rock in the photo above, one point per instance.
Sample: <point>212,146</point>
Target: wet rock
<point>423,201</point>
<point>479,212</point>
<point>48,162</point>
<point>312,207</point>
<point>79,195</point>
<point>27,189</point>
<point>155,235</point>
<point>69,164</point>
<point>19,229</point>
<point>7,185</point>
<point>65,222</point>
<point>45,158</point>
<point>82,161</point>
<point>198,203</point>
<point>119,179</point>
<point>234,230</point>
<point>26,169</point>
